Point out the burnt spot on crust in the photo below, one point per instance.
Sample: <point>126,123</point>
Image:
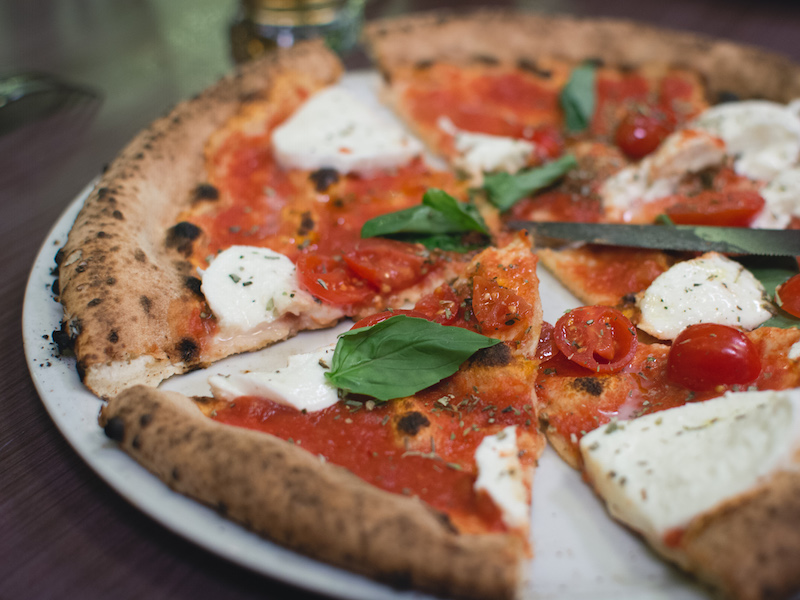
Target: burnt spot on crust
<point>63,340</point>
<point>115,429</point>
<point>94,302</point>
<point>136,443</point>
<point>194,284</point>
<point>176,474</point>
<point>113,337</point>
<point>139,255</point>
<point>55,287</point>
<point>80,367</point>
<point>59,258</point>
<point>146,304</point>
<point>205,191</point>
<point>444,519</point>
<point>727,96</point>
<point>188,349</point>
<point>111,281</point>
<point>423,65</point>
<point>485,59</point>
<point>306,224</point>
<point>102,234</point>
<point>589,385</point>
<point>222,508</point>
<point>145,420</point>
<point>118,215</point>
<point>324,178</point>
<point>526,64</point>
<point>182,235</point>
<point>412,423</point>
<point>498,355</point>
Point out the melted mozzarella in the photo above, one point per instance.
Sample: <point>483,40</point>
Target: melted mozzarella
<point>658,175</point>
<point>500,475</point>
<point>334,129</point>
<point>301,384</point>
<point>248,287</point>
<point>794,351</point>
<point>781,200</point>
<point>659,471</point>
<point>708,289</point>
<point>483,153</point>
<point>764,137</point>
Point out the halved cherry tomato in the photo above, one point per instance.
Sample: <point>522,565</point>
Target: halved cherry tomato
<point>382,316</point>
<point>440,306</point>
<point>331,280</point>
<point>548,141</point>
<point>708,355</point>
<point>599,338</point>
<point>735,208</point>
<point>787,295</point>
<point>387,264</point>
<point>546,348</point>
<point>639,133</point>
<point>497,308</point>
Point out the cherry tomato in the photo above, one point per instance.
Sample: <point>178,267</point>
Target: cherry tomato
<point>387,264</point>
<point>546,348</point>
<point>708,355</point>
<point>639,133</point>
<point>382,316</point>
<point>331,280</point>
<point>735,208</point>
<point>787,295</point>
<point>599,338</point>
<point>497,308</point>
<point>440,306</point>
<point>548,141</point>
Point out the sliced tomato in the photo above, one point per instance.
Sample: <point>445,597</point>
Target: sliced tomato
<point>546,348</point>
<point>734,208</point>
<point>787,295</point>
<point>708,355</point>
<point>386,264</point>
<point>331,280</point>
<point>639,132</point>
<point>382,316</point>
<point>548,141</point>
<point>599,338</point>
<point>497,308</point>
<point>440,306</point>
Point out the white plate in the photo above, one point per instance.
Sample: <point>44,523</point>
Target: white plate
<point>580,552</point>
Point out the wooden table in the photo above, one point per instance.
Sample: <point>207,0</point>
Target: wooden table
<point>63,532</point>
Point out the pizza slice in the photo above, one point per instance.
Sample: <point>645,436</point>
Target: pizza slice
<point>430,489</point>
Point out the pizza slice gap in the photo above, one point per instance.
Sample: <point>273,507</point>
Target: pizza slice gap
<point>431,490</point>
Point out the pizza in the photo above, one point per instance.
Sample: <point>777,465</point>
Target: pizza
<point>278,202</point>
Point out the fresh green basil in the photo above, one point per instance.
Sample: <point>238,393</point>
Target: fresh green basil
<point>439,222</point>
<point>504,189</point>
<point>578,98</point>
<point>401,356</point>
<point>771,272</point>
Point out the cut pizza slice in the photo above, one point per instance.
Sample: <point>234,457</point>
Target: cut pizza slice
<point>429,489</point>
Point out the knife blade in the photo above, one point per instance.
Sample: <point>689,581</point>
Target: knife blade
<point>727,240</point>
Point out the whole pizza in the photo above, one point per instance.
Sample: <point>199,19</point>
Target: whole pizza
<point>278,202</point>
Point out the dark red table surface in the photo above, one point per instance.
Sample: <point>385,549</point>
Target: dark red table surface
<point>64,533</point>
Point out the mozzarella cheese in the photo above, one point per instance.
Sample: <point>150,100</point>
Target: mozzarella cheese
<point>483,153</point>
<point>794,351</point>
<point>248,287</point>
<point>301,384</point>
<point>500,475</point>
<point>334,129</point>
<point>763,136</point>
<point>659,471</point>
<point>781,200</point>
<point>708,289</point>
<point>658,175</point>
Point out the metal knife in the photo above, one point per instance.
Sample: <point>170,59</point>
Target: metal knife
<point>728,240</point>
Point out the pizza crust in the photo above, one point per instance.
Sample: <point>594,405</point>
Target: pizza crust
<point>121,282</point>
<point>299,501</point>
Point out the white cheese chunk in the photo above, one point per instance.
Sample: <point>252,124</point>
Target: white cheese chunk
<point>501,476</point>
<point>659,175</point>
<point>300,384</point>
<point>794,351</point>
<point>709,289</point>
<point>659,471</point>
<point>247,287</point>
<point>781,200</point>
<point>763,136</point>
<point>334,129</point>
<point>483,153</point>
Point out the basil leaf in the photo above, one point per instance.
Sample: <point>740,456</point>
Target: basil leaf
<point>782,320</point>
<point>439,222</point>
<point>578,98</point>
<point>772,272</point>
<point>401,356</point>
<point>504,189</point>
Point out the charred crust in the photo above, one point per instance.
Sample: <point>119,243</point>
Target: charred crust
<point>412,423</point>
<point>145,420</point>
<point>94,302</point>
<point>115,429</point>
<point>182,235</point>
<point>324,178</point>
<point>444,519</point>
<point>63,340</point>
<point>205,191</point>
<point>136,443</point>
<point>176,474</point>
<point>590,385</point>
<point>527,64</point>
<point>194,284</point>
<point>727,96</point>
<point>55,287</point>
<point>222,508</point>
<point>498,355</point>
<point>306,224</point>
<point>117,215</point>
<point>423,65</point>
<point>113,337</point>
<point>139,255</point>
<point>102,234</point>
<point>629,299</point>
<point>80,367</point>
<point>111,281</point>
<point>485,59</point>
<point>188,349</point>
<point>146,304</point>
<point>59,258</point>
